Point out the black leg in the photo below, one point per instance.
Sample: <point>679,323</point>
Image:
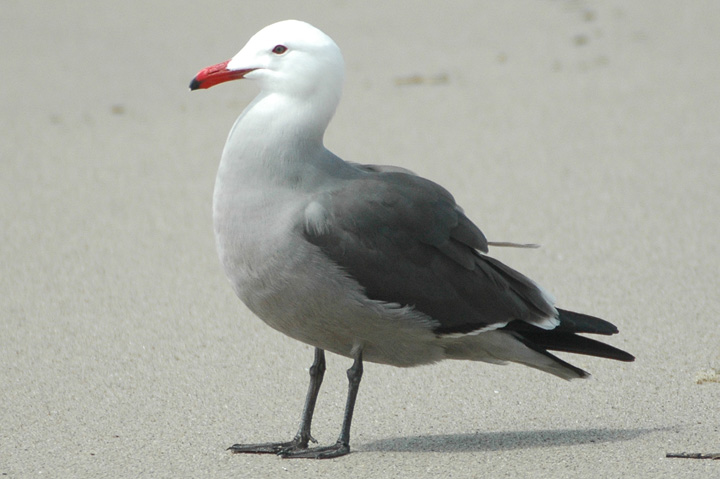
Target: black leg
<point>301,439</point>
<point>342,446</point>
<point>354,375</point>
<point>317,371</point>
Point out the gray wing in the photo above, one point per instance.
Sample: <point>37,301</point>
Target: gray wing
<point>405,240</point>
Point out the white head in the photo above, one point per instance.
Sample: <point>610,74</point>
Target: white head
<point>289,58</point>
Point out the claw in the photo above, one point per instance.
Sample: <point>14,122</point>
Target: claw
<point>325,452</point>
<point>264,448</point>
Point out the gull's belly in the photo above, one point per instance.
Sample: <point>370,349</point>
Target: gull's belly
<point>288,283</point>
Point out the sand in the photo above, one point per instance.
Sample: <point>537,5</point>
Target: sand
<point>592,128</point>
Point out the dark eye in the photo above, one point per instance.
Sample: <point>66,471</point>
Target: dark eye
<point>279,49</point>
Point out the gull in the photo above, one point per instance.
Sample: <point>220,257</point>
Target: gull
<point>366,261</point>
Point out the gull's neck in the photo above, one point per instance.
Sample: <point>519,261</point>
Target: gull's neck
<point>275,139</point>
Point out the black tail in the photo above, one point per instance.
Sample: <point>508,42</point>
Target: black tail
<point>564,337</point>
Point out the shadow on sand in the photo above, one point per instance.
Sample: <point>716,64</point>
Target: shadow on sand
<point>501,441</point>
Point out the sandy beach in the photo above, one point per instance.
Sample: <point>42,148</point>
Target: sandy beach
<point>591,128</point>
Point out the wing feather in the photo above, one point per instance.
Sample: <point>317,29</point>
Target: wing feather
<point>405,240</point>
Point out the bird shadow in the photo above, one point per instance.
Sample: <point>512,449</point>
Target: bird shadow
<point>502,441</point>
